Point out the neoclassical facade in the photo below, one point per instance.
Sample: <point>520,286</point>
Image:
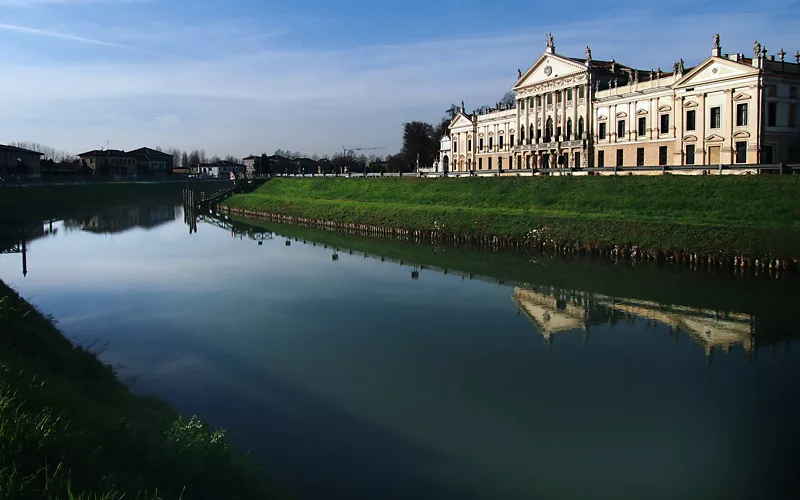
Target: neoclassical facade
<point>574,113</point>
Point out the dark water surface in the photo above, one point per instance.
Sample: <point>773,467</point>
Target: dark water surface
<point>457,374</point>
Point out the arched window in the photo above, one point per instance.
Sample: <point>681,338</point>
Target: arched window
<point>522,134</point>
<point>519,163</point>
<point>469,164</point>
<point>569,129</point>
<point>580,127</point>
<point>531,136</point>
<point>548,130</point>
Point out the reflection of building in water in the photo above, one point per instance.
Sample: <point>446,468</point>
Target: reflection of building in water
<point>553,311</point>
<point>122,218</point>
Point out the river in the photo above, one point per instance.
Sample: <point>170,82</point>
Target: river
<point>354,367</point>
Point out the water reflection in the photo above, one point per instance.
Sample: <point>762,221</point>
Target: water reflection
<point>122,218</point>
<point>555,310</point>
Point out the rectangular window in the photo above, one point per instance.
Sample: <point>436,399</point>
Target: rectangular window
<point>713,155</point>
<point>772,91</point>
<point>559,96</point>
<point>549,98</point>
<point>569,94</point>
<point>793,92</point>
<point>639,157</point>
<point>772,114</point>
<point>580,92</point>
<point>768,154</point>
<point>690,154</point>
<point>500,163</point>
<point>641,129</point>
<point>601,159</point>
<point>538,100</point>
<point>511,141</point>
<point>620,157</point>
<point>793,115</point>
<point>501,141</point>
<point>662,155</point>
<point>490,164</point>
<point>664,124</point>
<point>741,115</point>
<point>480,163</point>
<point>601,131</point>
<point>530,102</point>
<point>491,142</point>
<point>510,162</point>
<point>522,104</point>
<point>716,118</point>
<point>741,152</point>
<point>620,129</point>
<point>455,146</point>
<point>469,145</point>
<point>691,120</point>
<point>480,144</point>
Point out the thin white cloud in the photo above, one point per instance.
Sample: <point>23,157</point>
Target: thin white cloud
<point>54,34</point>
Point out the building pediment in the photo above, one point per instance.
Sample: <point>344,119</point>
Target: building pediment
<point>714,69</point>
<point>690,138</point>
<point>549,68</point>
<point>741,97</point>
<point>642,112</point>
<point>714,138</point>
<point>461,120</point>
<point>690,104</point>
<point>664,108</point>
<point>741,135</point>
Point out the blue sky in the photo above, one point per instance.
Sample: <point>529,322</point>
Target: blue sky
<point>241,77</point>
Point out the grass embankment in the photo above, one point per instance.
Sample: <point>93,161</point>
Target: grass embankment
<point>70,430</point>
<point>744,215</point>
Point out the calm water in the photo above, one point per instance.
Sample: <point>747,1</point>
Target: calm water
<point>490,376</point>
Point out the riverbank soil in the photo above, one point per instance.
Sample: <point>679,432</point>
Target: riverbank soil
<point>70,429</point>
<point>734,215</point>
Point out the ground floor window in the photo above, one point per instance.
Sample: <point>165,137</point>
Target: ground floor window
<point>577,159</point>
<point>690,154</point>
<point>767,154</point>
<point>741,152</point>
<point>620,157</point>
<point>480,163</point>
<point>519,163</point>
<point>662,155</point>
<point>601,159</point>
<point>500,163</point>
<point>490,164</point>
<point>639,157</point>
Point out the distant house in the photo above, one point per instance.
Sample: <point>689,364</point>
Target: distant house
<point>109,161</point>
<point>253,165</point>
<point>219,170</point>
<point>22,162</point>
<point>152,161</point>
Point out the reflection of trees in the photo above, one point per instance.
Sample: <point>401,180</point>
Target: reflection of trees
<point>117,219</point>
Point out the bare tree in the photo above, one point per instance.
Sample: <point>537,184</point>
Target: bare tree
<point>232,159</point>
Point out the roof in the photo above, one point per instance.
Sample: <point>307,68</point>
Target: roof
<point>149,152</point>
<point>251,157</point>
<point>105,152</point>
<point>14,149</point>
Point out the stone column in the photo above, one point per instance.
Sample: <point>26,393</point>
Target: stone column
<point>535,119</point>
<point>727,128</point>
<point>700,128</point>
<point>563,115</point>
<point>527,120</point>
<point>574,114</point>
<point>519,117</point>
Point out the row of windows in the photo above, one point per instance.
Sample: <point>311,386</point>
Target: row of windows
<point>713,152</point>
<point>772,115</point>
<point>559,97</point>
<point>772,91</point>
<point>715,121</point>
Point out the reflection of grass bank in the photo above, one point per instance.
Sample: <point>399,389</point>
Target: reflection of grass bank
<point>69,429</point>
<point>741,215</point>
<point>705,289</point>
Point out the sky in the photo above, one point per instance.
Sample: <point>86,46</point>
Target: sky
<point>245,77</point>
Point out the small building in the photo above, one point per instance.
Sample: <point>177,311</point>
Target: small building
<point>152,161</point>
<point>253,165</point>
<point>19,161</point>
<point>219,170</point>
<point>109,161</point>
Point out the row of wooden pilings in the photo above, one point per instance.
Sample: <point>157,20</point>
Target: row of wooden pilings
<point>741,264</point>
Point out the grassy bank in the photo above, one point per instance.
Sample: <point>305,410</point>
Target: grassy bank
<point>751,215</point>
<point>70,430</point>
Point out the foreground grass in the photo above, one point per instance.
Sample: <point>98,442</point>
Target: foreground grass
<point>69,429</point>
<point>755,215</point>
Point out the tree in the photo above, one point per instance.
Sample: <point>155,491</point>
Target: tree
<point>453,111</point>
<point>194,157</point>
<point>232,159</point>
<point>509,100</point>
<point>185,160</point>
<point>420,146</point>
<point>266,165</point>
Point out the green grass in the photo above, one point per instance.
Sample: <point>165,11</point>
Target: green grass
<point>70,429</point>
<point>743,214</point>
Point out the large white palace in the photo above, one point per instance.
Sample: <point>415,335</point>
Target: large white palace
<point>576,113</point>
